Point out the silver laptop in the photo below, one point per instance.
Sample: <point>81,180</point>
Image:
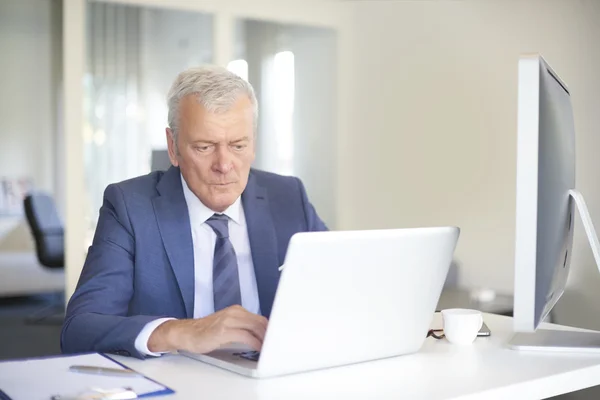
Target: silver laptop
<point>347,297</point>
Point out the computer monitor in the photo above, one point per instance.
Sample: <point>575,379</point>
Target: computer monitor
<point>545,212</point>
<point>160,160</point>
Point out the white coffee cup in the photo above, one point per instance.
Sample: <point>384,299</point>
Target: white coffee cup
<point>461,325</point>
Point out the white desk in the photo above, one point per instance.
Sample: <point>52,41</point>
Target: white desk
<point>486,370</point>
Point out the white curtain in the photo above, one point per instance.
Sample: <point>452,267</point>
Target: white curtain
<point>133,55</point>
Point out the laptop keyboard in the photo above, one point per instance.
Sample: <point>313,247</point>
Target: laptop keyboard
<point>249,355</point>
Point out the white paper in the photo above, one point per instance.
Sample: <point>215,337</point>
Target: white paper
<point>40,379</point>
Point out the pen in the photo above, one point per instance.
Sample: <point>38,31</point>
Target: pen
<point>88,369</point>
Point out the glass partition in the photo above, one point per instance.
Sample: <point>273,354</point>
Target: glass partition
<point>133,55</point>
<point>293,70</point>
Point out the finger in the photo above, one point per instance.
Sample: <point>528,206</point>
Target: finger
<point>258,321</point>
<point>246,322</point>
<point>261,320</point>
<point>241,318</point>
<point>242,336</point>
<point>241,311</point>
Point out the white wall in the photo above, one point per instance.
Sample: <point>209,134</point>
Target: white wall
<point>431,137</point>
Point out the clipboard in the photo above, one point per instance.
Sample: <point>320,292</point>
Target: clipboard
<point>42,378</point>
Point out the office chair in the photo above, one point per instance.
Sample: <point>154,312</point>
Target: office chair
<point>47,230</point>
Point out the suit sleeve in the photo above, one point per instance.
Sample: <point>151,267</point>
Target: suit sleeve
<point>313,222</point>
<point>96,317</point>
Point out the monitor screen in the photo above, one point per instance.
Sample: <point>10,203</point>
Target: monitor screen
<point>160,160</point>
<point>545,175</point>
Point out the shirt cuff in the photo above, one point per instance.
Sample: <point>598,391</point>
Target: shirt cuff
<point>141,341</point>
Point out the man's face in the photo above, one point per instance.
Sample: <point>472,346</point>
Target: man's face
<point>215,150</point>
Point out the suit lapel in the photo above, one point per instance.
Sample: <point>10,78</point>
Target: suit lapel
<point>263,242</point>
<point>174,225</point>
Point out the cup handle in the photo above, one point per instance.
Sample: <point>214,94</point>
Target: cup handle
<point>480,322</point>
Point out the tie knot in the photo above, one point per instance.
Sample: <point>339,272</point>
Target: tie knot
<point>219,224</point>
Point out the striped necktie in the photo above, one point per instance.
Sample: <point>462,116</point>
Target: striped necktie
<point>226,281</point>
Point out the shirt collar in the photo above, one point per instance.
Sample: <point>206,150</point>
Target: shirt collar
<point>201,213</point>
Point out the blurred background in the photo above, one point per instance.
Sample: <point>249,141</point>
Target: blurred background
<point>393,113</point>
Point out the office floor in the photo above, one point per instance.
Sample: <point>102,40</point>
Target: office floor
<point>20,338</point>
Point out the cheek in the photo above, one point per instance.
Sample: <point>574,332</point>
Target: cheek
<point>244,161</point>
<point>200,164</point>
<point>198,168</point>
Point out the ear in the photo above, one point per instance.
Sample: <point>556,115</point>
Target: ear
<point>172,146</point>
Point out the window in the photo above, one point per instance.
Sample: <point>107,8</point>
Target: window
<point>284,84</point>
<point>126,86</point>
<point>239,67</point>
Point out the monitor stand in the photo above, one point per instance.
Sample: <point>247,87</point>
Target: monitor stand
<point>565,340</point>
<point>552,340</point>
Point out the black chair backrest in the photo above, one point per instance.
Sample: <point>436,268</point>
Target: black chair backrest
<point>46,228</point>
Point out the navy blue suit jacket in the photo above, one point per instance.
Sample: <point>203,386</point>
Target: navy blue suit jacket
<point>141,264</point>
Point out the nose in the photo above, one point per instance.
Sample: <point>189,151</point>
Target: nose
<point>224,161</point>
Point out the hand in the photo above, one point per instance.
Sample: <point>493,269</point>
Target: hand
<point>231,325</point>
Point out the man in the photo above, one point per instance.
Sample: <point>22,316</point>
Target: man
<point>188,259</point>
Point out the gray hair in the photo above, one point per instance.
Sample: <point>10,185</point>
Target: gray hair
<point>216,88</point>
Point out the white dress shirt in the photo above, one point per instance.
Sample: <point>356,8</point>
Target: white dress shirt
<point>204,239</point>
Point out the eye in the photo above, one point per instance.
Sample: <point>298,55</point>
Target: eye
<point>239,147</point>
<point>203,149</point>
